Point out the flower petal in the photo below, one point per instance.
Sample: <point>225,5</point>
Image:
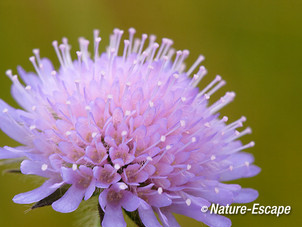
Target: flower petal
<point>70,200</point>
<point>246,195</point>
<point>113,217</point>
<point>148,217</point>
<point>37,194</point>
<point>130,202</point>
<point>194,211</point>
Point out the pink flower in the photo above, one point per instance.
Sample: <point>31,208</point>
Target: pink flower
<point>130,126</point>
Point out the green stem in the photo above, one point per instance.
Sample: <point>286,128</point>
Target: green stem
<point>101,213</point>
<point>134,216</point>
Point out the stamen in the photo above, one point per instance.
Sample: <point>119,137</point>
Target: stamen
<point>170,54</point>
<point>168,45</point>
<point>155,46</point>
<point>194,66</point>
<point>185,54</point>
<point>234,125</point>
<point>37,54</point>
<point>55,45</point>
<point>226,99</point>
<point>198,77</point>
<point>67,52</point>
<point>33,61</point>
<point>178,54</point>
<point>84,50</point>
<point>126,46</point>
<point>131,35</point>
<point>62,48</point>
<point>119,36</point>
<point>217,87</point>
<point>237,135</point>
<point>96,47</point>
<point>79,54</point>
<point>217,79</point>
<point>136,45</point>
<point>163,44</point>
<point>251,144</point>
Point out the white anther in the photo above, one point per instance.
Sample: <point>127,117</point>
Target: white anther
<point>87,108</point>
<point>123,186</point>
<point>176,76</point>
<point>160,190</point>
<point>117,166</point>
<point>44,167</point>
<point>94,134</point>
<point>168,147</point>
<point>183,99</point>
<point>127,112</point>
<point>207,125</point>
<point>149,158</point>
<point>193,139</point>
<point>5,110</point>
<point>68,102</point>
<point>247,164</point>
<point>225,118</point>
<point>162,138</point>
<point>231,168</point>
<point>182,123</point>
<point>53,73</point>
<point>216,190</point>
<point>9,72</point>
<point>32,127</point>
<point>68,133</point>
<point>151,104</point>
<point>188,202</point>
<point>27,87</point>
<point>159,83</point>
<point>110,96</point>
<point>206,96</point>
<point>74,167</point>
<point>213,157</point>
<point>251,144</point>
<point>189,167</point>
<point>124,133</point>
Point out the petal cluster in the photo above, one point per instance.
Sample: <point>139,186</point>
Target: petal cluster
<point>131,126</point>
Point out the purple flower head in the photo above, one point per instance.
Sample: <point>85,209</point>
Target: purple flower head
<point>130,126</point>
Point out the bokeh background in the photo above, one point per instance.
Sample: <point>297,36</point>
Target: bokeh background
<point>256,45</point>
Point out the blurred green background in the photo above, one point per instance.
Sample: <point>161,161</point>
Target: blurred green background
<point>256,45</point>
